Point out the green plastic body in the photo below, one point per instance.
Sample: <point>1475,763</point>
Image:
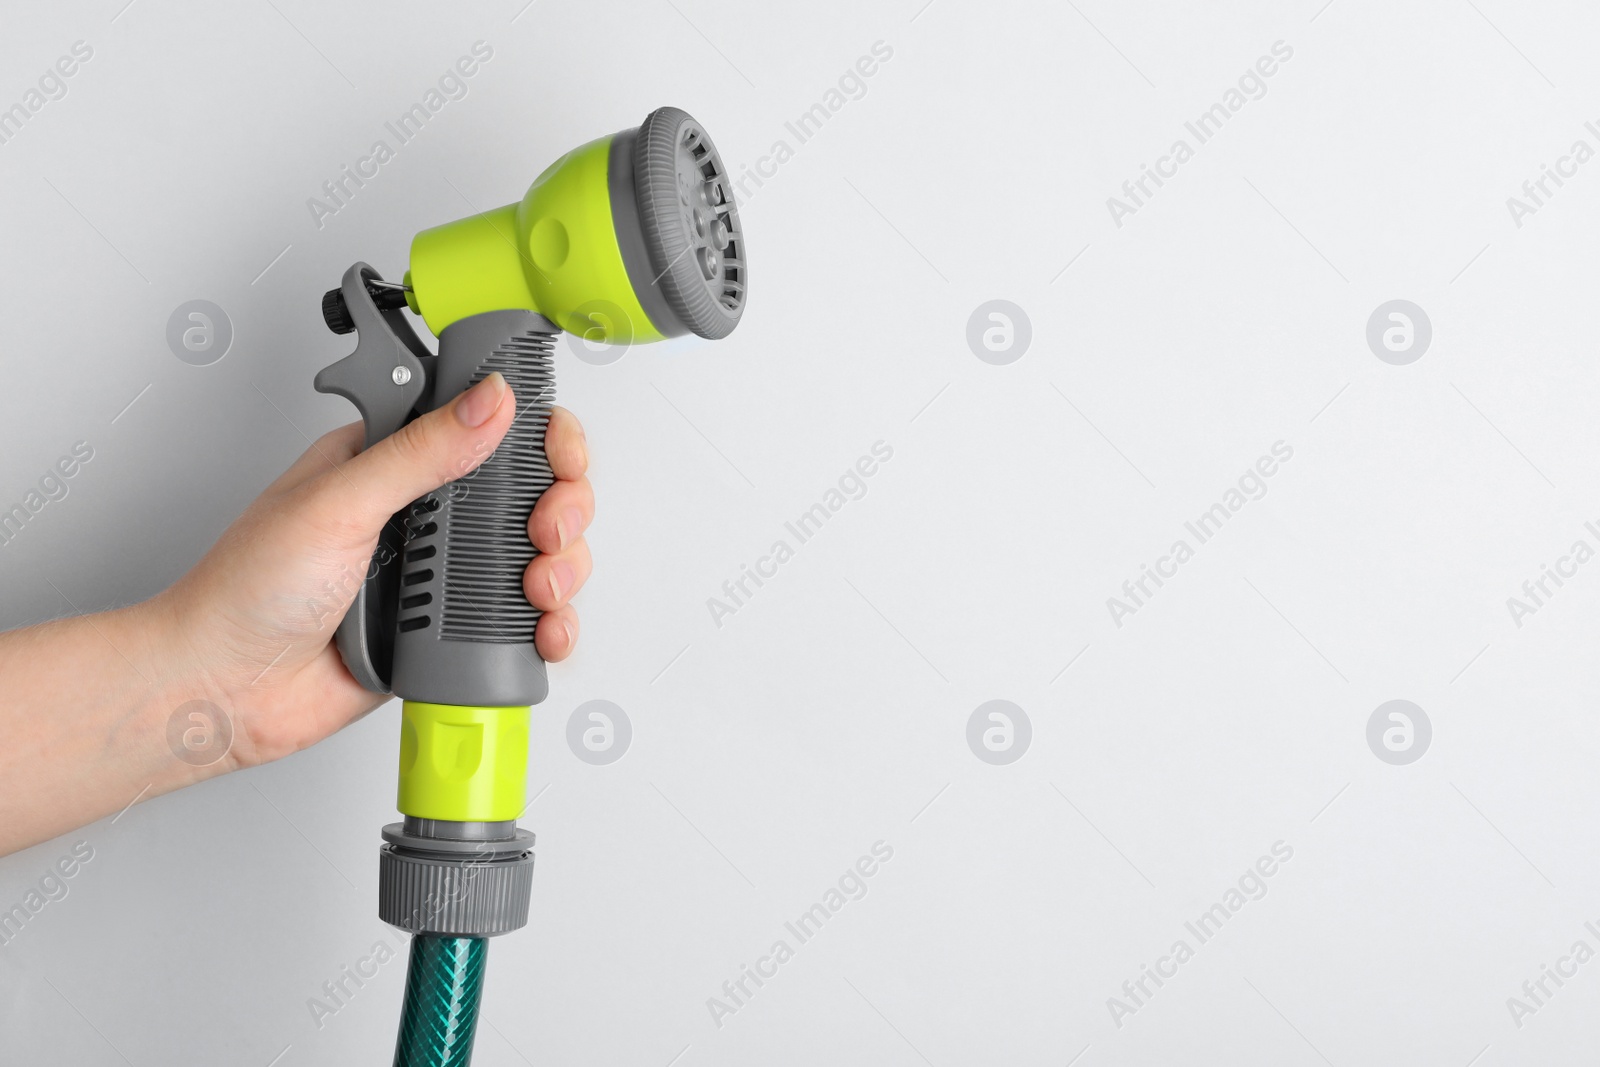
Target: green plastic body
<point>554,252</point>
<point>463,764</point>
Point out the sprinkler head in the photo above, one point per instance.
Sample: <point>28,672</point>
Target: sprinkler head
<point>627,239</point>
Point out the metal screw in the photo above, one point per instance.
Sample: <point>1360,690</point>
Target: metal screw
<point>401,375</point>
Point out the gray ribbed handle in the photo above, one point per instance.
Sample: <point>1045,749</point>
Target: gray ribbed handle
<point>464,626</point>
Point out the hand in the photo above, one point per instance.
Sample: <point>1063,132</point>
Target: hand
<point>252,624</point>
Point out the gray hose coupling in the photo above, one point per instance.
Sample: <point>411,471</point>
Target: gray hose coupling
<point>455,879</point>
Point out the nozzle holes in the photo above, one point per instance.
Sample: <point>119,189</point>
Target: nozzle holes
<point>418,623</point>
<point>732,276</point>
<point>426,530</point>
<point>708,263</point>
<point>421,552</point>
<point>686,200</point>
<point>418,577</point>
<point>417,600</point>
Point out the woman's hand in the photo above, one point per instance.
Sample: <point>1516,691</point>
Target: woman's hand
<point>256,617</point>
<point>249,630</point>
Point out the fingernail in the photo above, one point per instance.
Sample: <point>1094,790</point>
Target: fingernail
<point>560,580</point>
<point>568,523</point>
<point>571,632</point>
<point>475,405</point>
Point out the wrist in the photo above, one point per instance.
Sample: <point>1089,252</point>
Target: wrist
<point>185,716</point>
<point>89,717</point>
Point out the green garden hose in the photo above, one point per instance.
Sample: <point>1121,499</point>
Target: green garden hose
<point>440,1016</point>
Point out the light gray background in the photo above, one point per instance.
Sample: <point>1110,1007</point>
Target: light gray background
<point>831,712</point>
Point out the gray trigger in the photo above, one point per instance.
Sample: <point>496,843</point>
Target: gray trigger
<point>386,376</point>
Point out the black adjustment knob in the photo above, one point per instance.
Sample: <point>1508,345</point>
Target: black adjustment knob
<point>335,313</point>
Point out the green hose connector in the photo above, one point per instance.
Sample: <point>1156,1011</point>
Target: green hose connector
<point>443,984</point>
<point>463,764</point>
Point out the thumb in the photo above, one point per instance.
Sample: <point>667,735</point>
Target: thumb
<point>439,447</point>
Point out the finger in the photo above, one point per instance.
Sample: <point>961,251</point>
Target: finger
<point>428,452</point>
<point>562,514</point>
<point>550,581</point>
<point>565,446</point>
<point>556,635</point>
<point>326,452</point>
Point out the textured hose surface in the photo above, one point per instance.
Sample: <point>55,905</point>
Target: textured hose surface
<point>443,985</point>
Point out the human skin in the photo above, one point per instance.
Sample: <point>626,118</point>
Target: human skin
<point>85,702</point>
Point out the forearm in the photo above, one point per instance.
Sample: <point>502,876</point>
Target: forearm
<point>84,711</point>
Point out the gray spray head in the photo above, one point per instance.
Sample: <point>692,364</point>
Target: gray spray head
<point>677,225</point>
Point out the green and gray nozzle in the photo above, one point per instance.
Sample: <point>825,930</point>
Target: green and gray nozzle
<point>628,239</point>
